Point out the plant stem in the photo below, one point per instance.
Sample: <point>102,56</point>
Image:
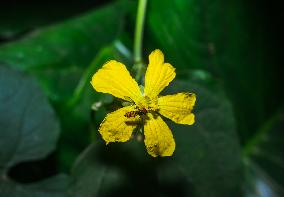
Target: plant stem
<point>86,77</point>
<point>138,37</point>
<point>259,135</point>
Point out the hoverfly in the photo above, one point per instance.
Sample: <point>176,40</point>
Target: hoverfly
<point>139,112</point>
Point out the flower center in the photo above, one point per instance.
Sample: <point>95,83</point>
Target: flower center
<point>147,103</point>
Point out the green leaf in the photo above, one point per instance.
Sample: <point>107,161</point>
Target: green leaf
<point>29,131</point>
<point>264,159</point>
<point>73,42</point>
<point>29,127</point>
<point>57,55</point>
<point>206,161</point>
<point>55,187</point>
<point>21,18</point>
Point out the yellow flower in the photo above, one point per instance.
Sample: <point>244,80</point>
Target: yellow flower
<point>113,78</point>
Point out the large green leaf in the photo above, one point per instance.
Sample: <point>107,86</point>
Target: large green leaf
<point>225,38</point>
<point>53,187</point>
<point>58,54</point>
<point>29,130</point>
<point>264,159</point>
<point>28,125</point>
<point>17,19</point>
<point>206,162</point>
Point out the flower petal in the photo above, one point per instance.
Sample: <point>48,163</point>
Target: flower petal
<point>114,78</point>
<point>159,139</point>
<point>178,107</point>
<point>158,74</point>
<point>116,127</point>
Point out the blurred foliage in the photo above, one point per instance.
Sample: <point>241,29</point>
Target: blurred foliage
<point>264,158</point>
<point>220,37</point>
<point>221,52</point>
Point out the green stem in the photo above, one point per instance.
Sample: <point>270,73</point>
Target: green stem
<point>258,137</point>
<point>84,81</point>
<point>138,37</point>
<point>104,53</point>
<point>86,77</point>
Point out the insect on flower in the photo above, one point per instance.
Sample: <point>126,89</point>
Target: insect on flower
<point>139,112</point>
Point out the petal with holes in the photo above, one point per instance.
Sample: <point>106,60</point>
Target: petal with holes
<point>159,139</point>
<point>178,107</point>
<point>116,127</point>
